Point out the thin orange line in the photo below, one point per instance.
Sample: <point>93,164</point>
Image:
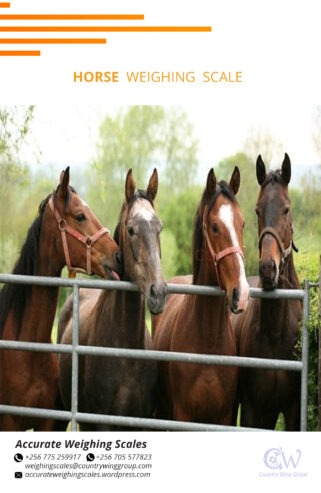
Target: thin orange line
<point>53,41</point>
<point>19,53</point>
<point>4,5</point>
<point>93,17</point>
<point>106,29</point>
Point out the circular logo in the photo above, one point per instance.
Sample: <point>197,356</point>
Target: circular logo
<point>272,458</point>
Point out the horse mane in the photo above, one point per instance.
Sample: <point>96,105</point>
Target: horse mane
<point>222,187</point>
<point>273,177</point>
<point>14,297</point>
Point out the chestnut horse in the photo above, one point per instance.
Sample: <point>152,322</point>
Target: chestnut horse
<point>201,324</point>
<point>117,319</point>
<point>65,232</point>
<point>269,327</point>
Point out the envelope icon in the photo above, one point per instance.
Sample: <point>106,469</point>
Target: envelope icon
<point>18,475</point>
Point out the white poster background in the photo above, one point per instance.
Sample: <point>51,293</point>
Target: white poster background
<point>276,47</point>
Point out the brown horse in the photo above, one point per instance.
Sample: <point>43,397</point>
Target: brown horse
<point>201,324</point>
<point>117,319</point>
<point>269,327</point>
<point>65,232</point>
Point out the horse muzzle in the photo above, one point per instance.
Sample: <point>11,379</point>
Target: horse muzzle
<point>238,298</point>
<point>114,268</point>
<point>269,274</point>
<point>156,297</point>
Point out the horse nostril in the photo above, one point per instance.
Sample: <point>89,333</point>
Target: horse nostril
<point>268,269</point>
<point>157,296</point>
<point>235,297</point>
<point>269,274</point>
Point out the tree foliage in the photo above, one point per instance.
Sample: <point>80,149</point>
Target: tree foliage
<point>178,214</point>
<point>14,126</point>
<point>141,138</point>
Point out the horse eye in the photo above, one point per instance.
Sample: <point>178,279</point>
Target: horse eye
<point>256,211</point>
<point>80,217</point>
<point>286,210</point>
<point>214,228</point>
<point>131,231</point>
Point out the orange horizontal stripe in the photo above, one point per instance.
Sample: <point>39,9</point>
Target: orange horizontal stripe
<point>61,17</point>
<point>19,53</point>
<point>105,28</point>
<point>53,41</point>
<point>4,5</point>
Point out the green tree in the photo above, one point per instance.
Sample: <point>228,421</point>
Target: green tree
<point>261,141</point>
<point>14,126</point>
<point>140,137</point>
<point>178,214</point>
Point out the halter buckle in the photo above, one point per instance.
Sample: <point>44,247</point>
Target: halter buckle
<point>62,224</point>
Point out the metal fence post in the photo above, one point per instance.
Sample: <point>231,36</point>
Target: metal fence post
<point>74,371</point>
<point>305,357</point>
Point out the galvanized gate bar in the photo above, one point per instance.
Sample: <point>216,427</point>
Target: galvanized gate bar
<point>75,350</point>
<point>128,286</point>
<point>146,423</point>
<point>204,359</point>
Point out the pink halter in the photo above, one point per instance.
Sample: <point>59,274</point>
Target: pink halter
<point>218,256</point>
<point>88,241</point>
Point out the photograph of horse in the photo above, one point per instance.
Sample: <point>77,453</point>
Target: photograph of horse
<point>269,328</point>
<point>65,232</point>
<point>109,385</point>
<point>201,324</point>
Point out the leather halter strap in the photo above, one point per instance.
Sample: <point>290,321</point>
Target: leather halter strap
<point>88,241</point>
<point>285,252</point>
<point>216,257</point>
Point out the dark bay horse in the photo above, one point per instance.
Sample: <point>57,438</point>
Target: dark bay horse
<point>269,327</point>
<point>201,324</point>
<point>65,232</point>
<point>117,319</point>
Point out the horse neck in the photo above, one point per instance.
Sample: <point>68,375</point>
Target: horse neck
<point>40,310</point>
<point>210,312</point>
<point>274,312</point>
<point>290,274</point>
<point>120,318</point>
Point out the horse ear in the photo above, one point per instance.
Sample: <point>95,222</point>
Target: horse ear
<point>260,170</point>
<point>64,181</point>
<point>235,180</point>
<point>153,185</point>
<point>130,186</point>
<point>211,184</point>
<point>286,169</point>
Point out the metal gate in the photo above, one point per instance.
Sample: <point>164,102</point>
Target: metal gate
<point>75,350</point>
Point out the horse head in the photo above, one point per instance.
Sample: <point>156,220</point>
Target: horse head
<point>275,227</point>
<point>138,234</point>
<point>222,225</point>
<point>83,244</point>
